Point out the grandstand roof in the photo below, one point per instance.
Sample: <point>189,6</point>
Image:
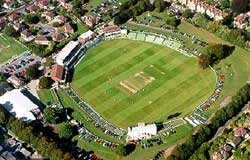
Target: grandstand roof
<point>18,105</point>
<point>65,52</point>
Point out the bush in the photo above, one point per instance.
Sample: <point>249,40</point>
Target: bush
<point>65,130</point>
<point>45,83</point>
<point>54,115</point>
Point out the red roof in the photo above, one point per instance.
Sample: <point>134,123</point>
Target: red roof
<point>57,72</point>
<point>240,132</point>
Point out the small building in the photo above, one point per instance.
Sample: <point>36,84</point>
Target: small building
<point>42,40</point>
<point>242,21</point>
<point>240,132</point>
<point>32,8</point>
<point>43,4</point>
<point>58,37</point>
<point>19,105</point>
<point>86,36</point>
<point>48,15</point>
<point>235,141</point>
<point>66,53</point>
<point>68,28</point>
<point>141,131</point>
<point>3,22</point>
<point>14,17</point>
<point>91,20</point>
<point>60,19</point>
<point>57,73</point>
<point>27,36</point>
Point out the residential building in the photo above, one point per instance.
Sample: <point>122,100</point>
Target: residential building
<point>202,7</point>
<point>91,20</point>
<point>242,21</point>
<point>58,37</point>
<point>68,28</point>
<point>27,36</point>
<point>42,40</point>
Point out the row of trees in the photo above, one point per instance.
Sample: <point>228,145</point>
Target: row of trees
<point>215,53</point>
<point>235,36</point>
<point>133,8</point>
<point>206,131</point>
<point>43,144</point>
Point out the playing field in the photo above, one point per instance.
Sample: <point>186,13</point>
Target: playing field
<point>132,81</point>
<point>9,47</point>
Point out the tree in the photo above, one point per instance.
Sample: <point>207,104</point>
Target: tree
<point>204,61</point>
<point>224,4</point>
<point>65,130</point>
<point>32,72</point>
<point>172,21</point>
<point>54,115</point>
<point>188,13</point>
<point>200,20</point>
<point>31,19</point>
<point>159,5</point>
<point>125,150</point>
<point>239,6</point>
<point>45,83</point>
<point>10,31</point>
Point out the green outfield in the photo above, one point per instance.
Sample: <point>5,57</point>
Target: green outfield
<point>132,81</point>
<point>9,47</point>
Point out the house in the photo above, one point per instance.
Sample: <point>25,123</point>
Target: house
<point>240,132</point>
<point>235,141</point>
<point>60,19</point>
<point>32,8</point>
<point>16,82</point>
<point>42,40</point>
<point>43,4</point>
<point>221,155</point>
<point>141,131</point>
<point>68,28</point>
<point>14,17</point>
<point>27,36</point>
<point>91,20</point>
<point>202,7</point>
<point>19,26</point>
<point>57,73</point>
<point>58,37</point>
<point>242,21</point>
<point>83,38</point>
<point>48,15</point>
<point>3,22</point>
<point>8,4</point>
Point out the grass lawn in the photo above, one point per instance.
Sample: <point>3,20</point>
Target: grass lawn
<point>9,47</point>
<point>199,33</point>
<point>46,96</point>
<point>179,84</point>
<point>236,67</point>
